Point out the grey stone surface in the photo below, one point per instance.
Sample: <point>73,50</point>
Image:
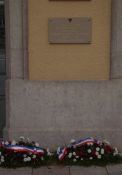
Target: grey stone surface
<point>15,30</point>
<point>115,169</point>
<point>14,38</point>
<point>2,66</point>
<point>116,48</point>
<point>16,63</point>
<point>2,112</point>
<point>61,110</point>
<point>87,171</point>
<point>20,171</point>
<point>2,84</point>
<point>53,170</point>
<point>41,171</point>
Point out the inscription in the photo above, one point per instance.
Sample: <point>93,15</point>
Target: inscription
<point>70,30</point>
<point>70,0</point>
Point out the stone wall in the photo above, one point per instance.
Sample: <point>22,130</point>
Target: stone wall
<point>53,112</point>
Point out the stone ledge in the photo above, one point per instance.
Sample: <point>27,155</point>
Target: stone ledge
<point>52,170</point>
<point>88,170</point>
<point>18,171</point>
<point>114,170</point>
<point>65,170</point>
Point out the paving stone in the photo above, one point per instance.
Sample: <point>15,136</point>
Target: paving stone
<point>87,171</point>
<point>115,169</point>
<point>18,171</point>
<point>53,170</point>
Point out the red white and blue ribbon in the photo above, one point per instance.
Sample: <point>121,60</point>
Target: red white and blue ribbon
<point>25,149</point>
<point>84,141</point>
<point>62,153</point>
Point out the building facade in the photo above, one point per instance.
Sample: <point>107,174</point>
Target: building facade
<point>54,92</point>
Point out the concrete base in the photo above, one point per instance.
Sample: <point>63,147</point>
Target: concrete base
<point>65,170</point>
<point>55,112</point>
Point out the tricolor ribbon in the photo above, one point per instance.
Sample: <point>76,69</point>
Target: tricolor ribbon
<point>25,149</point>
<point>84,141</point>
<point>62,153</point>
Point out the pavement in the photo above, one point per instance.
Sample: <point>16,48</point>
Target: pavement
<point>67,170</point>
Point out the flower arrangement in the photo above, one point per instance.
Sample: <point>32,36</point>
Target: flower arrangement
<point>88,151</point>
<point>22,153</point>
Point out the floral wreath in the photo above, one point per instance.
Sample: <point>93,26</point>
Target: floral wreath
<point>87,151</point>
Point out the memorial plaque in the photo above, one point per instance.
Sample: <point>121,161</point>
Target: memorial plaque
<point>70,0</point>
<point>70,30</point>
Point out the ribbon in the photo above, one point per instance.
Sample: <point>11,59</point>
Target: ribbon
<point>25,149</point>
<point>84,141</point>
<point>62,153</point>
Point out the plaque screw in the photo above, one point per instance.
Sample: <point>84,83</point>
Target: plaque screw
<point>70,19</point>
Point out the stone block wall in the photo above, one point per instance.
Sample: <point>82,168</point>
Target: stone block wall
<point>53,112</point>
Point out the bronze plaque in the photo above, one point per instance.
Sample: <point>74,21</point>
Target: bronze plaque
<point>70,30</point>
<point>70,0</point>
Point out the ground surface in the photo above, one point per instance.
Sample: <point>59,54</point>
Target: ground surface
<point>68,170</point>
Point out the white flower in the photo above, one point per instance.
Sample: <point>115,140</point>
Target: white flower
<point>72,141</point>
<point>74,160</point>
<point>96,153</point>
<point>48,152</point>
<point>106,142</point>
<point>74,154</point>
<point>37,144</point>
<point>81,159</point>
<point>25,159</point>
<point>6,143</point>
<point>69,155</point>
<point>24,155</point>
<point>42,158</point>
<point>89,150</point>
<point>77,157</point>
<point>58,150</point>
<point>102,151</point>
<point>99,156</point>
<point>2,160</point>
<point>22,138</point>
<point>2,157</point>
<point>97,149</point>
<point>90,158</point>
<point>13,142</point>
<point>116,152</point>
<point>28,158</point>
<point>34,156</point>
<point>28,139</point>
